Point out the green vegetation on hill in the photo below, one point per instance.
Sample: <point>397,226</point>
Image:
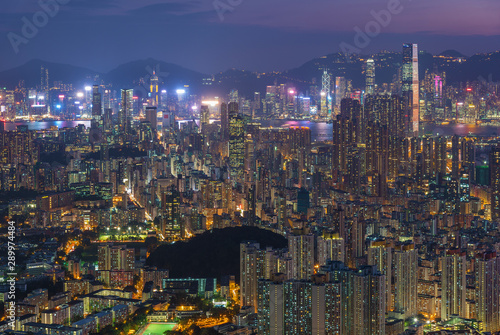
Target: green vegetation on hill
<point>212,254</point>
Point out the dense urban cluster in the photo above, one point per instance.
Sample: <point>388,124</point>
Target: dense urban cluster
<point>391,228</point>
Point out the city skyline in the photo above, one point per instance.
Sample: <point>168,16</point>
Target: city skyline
<point>179,32</point>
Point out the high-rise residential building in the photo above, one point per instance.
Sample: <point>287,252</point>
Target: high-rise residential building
<point>116,265</point>
<point>299,307</point>
<point>453,284</point>
<point>495,183</point>
<point>301,250</point>
<point>236,142</point>
<point>171,225</point>
<point>363,301</point>
<point>380,256</point>
<point>330,247</point>
<point>255,264</point>
<point>405,262</point>
<point>370,76</point>
<point>410,86</point>
<point>249,273</point>
<point>126,108</point>
<point>487,290</point>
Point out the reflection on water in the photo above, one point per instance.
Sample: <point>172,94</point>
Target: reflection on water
<point>40,125</point>
<point>320,131</point>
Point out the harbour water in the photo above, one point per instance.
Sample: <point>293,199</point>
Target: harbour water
<point>320,131</point>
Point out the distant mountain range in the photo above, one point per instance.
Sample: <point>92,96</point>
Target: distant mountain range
<point>136,74</point>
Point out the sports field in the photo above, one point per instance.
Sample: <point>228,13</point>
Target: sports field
<point>158,328</point>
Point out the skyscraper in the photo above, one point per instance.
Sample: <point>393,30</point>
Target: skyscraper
<point>301,249</point>
<point>154,94</point>
<point>204,116</point>
<point>453,284</point>
<point>44,79</point>
<point>495,183</point>
<point>152,117</point>
<point>126,110</point>
<point>370,76</point>
<point>410,85</point>
<point>224,121</point>
<point>236,142</point>
<point>96,107</point>
<point>172,227</point>
<point>405,279</point>
<point>487,275</point>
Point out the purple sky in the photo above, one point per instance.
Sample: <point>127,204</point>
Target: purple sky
<point>259,35</point>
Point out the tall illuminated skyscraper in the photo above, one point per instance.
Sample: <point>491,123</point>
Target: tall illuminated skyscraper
<point>325,95</point>
<point>410,86</point>
<point>44,81</point>
<point>172,227</point>
<point>126,110</point>
<point>370,76</point>
<point>153,90</point>
<point>204,116</point>
<point>236,142</point>
<point>96,107</point>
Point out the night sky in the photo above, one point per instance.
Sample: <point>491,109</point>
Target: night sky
<point>258,35</point>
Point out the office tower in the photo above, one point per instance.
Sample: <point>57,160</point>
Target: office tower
<point>410,86</point>
<point>96,107</point>
<point>152,117</point>
<point>236,142</point>
<point>44,79</point>
<point>380,256</point>
<point>325,95</point>
<point>405,279</point>
<point>487,275</point>
<point>125,113</point>
<point>330,247</point>
<point>171,225</point>
<point>224,121</point>
<point>154,94</point>
<point>302,201</point>
<point>204,117</point>
<point>340,90</point>
<point>163,99</point>
<point>495,183</point>
<point>453,285</point>
<point>370,76</point>
<point>107,119</point>
<point>301,250</point>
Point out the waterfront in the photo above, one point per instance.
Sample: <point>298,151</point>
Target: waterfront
<point>320,131</point>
